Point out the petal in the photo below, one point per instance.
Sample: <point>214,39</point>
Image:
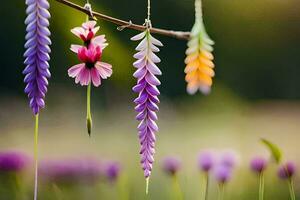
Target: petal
<point>104,69</point>
<point>75,70</point>
<point>155,41</point>
<point>100,41</point>
<point>95,77</point>
<point>78,31</point>
<point>75,48</point>
<point>139,36</point>
<point>89,24</point>
<point>142,45</point>
<point>85,76</point>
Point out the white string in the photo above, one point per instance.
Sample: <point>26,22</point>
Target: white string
<point>149,10</point>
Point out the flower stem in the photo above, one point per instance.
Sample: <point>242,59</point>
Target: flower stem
<point>261,186</point>
<point>291,189</point>
<point>221,191</point>
<point>88,107</point>
<point>147,185</point>
<point>177,188</point>
<point>205,186</point>
<point>36,134</point>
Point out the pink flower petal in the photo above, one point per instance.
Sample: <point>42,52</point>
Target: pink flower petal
<point>95,30</point>
<point>78,31</point>
<point>89,24</point>
<point>104,69</point>
<point>100,41</point>
<point>95,77</point>
<point>75,48</point>
<point>75,70</point>
<point>85,76</point>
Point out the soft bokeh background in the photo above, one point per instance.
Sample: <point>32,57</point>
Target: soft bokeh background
<point>256,93</point>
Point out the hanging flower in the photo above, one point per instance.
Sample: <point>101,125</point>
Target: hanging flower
<point>146,102</point>
<point>91,69</point>
<point>199,66</point>
<point>37,53</point>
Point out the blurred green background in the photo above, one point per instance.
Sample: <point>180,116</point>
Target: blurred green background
<point>255,94</point>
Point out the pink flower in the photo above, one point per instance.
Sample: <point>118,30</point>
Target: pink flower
<point>92,69</point>
<point>97,41</point>
<point>87,31</point>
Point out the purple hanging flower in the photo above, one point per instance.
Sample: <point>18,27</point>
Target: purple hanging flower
<point>146,102</point>
<point>37,53</point>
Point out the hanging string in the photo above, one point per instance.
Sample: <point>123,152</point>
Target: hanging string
<point>148,21</point>
<point>198,9</point>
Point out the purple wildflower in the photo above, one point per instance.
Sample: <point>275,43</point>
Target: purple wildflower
<point>71,171</point>
<point>37,53</point>
<point>223,173</point>
<point>206,161</point>
<point>258,164</point>
<point>13,161</point>
<point>146,102</point>
<point>171,165</point>
<point>287,170</point>
<point>112,171</point>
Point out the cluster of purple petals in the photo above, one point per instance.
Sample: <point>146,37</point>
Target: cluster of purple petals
<point>37,53</point>
<point>146,102</point>
<point>171,165</point>
<point>71,171</point>
<point>206,161</point>
<point>112,171</point>
<point>287,170</point>
<point>13,161</point>
<point>222,165</point>
<point>258,164</point>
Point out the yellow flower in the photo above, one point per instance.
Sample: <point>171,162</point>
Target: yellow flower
<point>199,65</point>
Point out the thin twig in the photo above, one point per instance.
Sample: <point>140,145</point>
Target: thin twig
<point>176,34</point>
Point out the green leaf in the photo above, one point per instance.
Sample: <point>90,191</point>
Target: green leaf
<point>274,150</point>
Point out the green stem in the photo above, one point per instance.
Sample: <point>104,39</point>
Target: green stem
<point>291,189</point>
<point>221,191</point>
<point>261,186</point>
<point>88,107</point>
<point>177,188</point>
<point>206,183</point>
<point>36,134</point>
<point>147,185</point>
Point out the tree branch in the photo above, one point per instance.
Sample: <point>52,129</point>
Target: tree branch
<point>175,34</point>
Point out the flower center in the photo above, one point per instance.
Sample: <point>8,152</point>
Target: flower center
<point>89,65</point>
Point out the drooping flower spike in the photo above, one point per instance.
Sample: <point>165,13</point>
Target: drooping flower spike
<point>37,66</point>
<point>199,66</point>
<point>146,102</point>
<point>91,69</point>
<point>37,53</point>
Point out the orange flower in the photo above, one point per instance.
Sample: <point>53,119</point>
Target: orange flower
<point>199,66</point>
